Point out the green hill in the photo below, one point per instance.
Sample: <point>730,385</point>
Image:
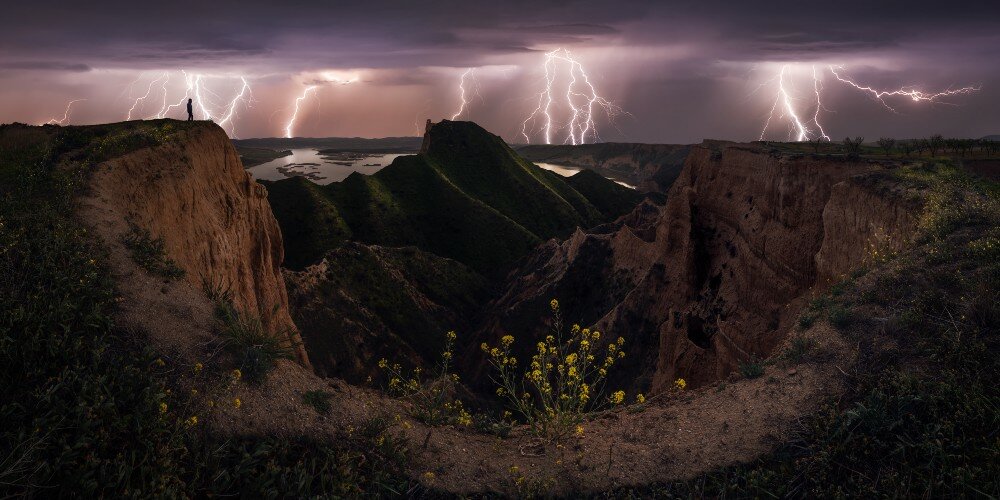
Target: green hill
<point>467,196</point>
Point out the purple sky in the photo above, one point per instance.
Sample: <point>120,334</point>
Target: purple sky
<point>680,71</point>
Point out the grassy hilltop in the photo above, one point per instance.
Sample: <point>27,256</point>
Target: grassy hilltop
<point>468,197</point>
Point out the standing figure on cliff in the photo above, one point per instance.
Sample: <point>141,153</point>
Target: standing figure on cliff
<point>190,111</point>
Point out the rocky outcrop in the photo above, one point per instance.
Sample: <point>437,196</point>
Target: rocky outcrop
<point>715,276</point>
<point>215,221</point>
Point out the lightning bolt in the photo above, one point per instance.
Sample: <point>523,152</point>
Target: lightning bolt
<point>65,117</point>
<point>818,89</point>
<point>230,111</point>
<point>469,73</point>
<point>909,91</point>
<point>580,98</point>
<point>189,86</point>
<point>786,102</point>
<point>801,131</point>
<point>149,89</point>
<point>295,114</point>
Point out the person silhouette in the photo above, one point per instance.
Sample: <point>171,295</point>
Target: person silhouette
<point>190,111</point>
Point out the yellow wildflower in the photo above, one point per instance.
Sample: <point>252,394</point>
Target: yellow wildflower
<point>680,384</point>
<point>191,421</point>
<point>163,407</point>
<point>507,340</point>
<point>198,367</point>
<point>554,304</point>
<point>618,397</point>
<point>237,403</point>
<point>639,398</point>
<point>382,363</point>
<point>237,374</point>
<point>579,430</point>
<point>452,335</point>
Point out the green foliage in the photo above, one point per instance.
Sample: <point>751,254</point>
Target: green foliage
<point>255,349</point>
<point>799,347</point>
<point>320,400</point>
<point>432,398</point>
<point>148,253</point>
<point>806,320</point>
<point>752,368</point>
<point>840,317</point>
<point>563,382</point>
<point>85,410</point>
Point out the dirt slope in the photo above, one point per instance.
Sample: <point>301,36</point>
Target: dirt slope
<point>214,220</point>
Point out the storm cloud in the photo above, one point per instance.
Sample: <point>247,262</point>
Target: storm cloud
<point>684,70</point>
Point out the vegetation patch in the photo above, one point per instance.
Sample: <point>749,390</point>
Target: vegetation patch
<point>148,252</point>
<point>319,400</point>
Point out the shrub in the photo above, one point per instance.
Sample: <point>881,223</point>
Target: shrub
<point>318,399</point>
<point>752,368</point>
<point>432,398</point>
<point>562,383</point>
<point>798,348</point>
<point>840,317</point>
<point>255,349</point>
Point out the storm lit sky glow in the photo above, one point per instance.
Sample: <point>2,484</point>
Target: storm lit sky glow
<point>674,71</point>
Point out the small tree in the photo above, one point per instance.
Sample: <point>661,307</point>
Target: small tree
<point>907,147</point>
<point>886,143</point>
<point>934,144</point>
<point>853,146</point>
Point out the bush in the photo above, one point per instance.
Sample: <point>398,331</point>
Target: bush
<point>319,400</point>
<point>752,368</point>
<point>563,382</point>
<point>840,317</point>
<point>255,349</point>
<point>432,399</point>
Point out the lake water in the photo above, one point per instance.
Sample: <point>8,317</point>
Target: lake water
<point>321,169</point>
<point>568,171</point>
<point>309,163</point>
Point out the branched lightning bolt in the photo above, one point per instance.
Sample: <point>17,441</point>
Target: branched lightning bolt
<point>818,89</point>
<point>912,93</point>
<point>149,89</point>
<point>65,118</point>
<point>786,102</point>
<point>581,97</point>
<point>241,98</point>
<point>466,102</point>
<point>801,131</point>
<point>189,86</point>
<point>295,114</point>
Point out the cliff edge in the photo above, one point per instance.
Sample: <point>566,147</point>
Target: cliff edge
<point>214,220</point>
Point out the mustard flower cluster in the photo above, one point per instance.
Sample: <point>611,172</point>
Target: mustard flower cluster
<point>561,382</point>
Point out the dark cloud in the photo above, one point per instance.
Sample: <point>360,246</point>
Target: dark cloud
<point>45,66</point>
<point>659,55</point>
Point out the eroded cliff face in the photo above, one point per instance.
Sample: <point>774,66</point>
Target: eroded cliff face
<point>215,221</point>
<point>717,274</point>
